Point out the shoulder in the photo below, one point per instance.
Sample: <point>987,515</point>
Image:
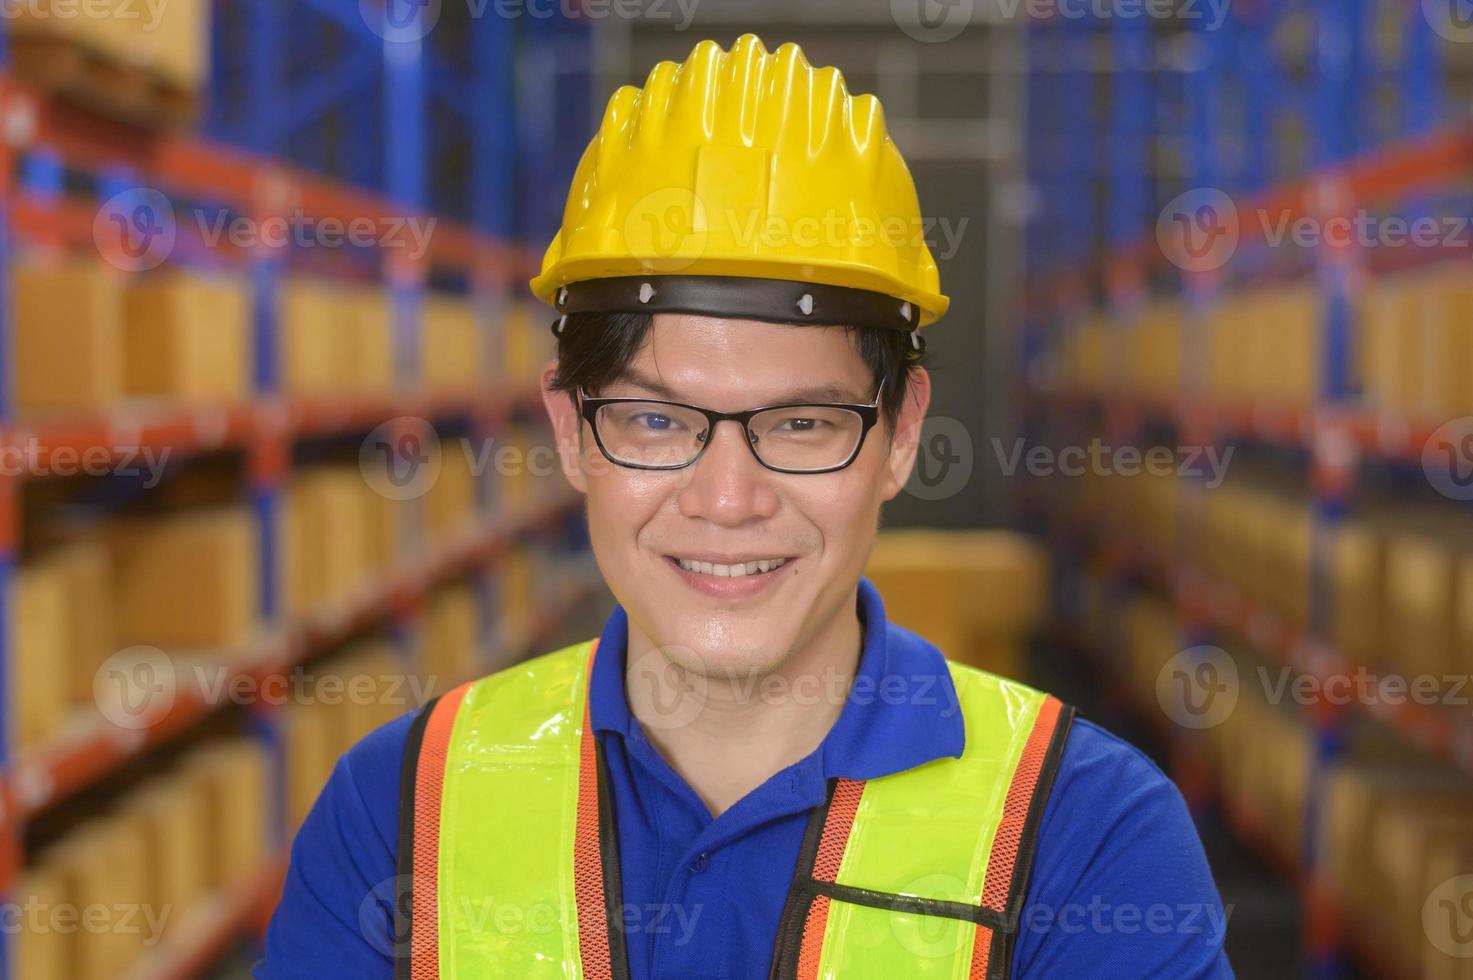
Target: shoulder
<point>1119,868</point>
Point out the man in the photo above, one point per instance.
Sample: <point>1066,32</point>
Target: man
<point>749,773</point>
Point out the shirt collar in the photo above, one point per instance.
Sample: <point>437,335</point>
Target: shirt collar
<point>901,711</point>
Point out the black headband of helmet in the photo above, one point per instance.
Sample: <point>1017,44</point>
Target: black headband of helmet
<point>740,298</point>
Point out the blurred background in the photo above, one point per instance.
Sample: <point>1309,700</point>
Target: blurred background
<point>273,466</point>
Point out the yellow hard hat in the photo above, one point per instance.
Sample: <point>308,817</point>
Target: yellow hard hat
<point>744,184</point>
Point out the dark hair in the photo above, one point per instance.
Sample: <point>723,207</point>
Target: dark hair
<point>595,348</point>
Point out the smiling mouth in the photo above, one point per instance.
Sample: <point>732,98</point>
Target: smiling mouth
<point>761,566</point>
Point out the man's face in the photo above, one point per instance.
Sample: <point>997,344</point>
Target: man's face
<point>726,508</point>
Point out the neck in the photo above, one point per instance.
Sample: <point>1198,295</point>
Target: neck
<point>726,736</point>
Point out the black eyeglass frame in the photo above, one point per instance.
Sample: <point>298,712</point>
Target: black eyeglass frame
<point>868,416</point>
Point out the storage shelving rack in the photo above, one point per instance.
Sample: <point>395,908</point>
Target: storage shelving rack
<point>1182,104</point>
<point>262,145</point>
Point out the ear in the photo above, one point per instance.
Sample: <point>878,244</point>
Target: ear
<point>907,438</point>
<point>567,427</point>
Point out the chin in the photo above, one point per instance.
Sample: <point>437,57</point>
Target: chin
<point>721,646</point>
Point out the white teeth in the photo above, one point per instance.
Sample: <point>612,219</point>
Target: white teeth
<point>731,571</point>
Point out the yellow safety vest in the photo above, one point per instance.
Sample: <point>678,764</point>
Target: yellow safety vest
<point>508,854</point>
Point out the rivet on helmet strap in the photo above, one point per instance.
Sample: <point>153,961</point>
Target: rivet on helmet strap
<point>805,305</point>
<point>646,292</point>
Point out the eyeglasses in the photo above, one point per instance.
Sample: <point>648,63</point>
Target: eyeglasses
<point>649,434</point>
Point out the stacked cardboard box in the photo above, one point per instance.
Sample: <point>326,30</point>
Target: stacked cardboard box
<point>1383,821</point>
<point>174,831</point>
<point>1391,319</point>
<point>527,344</point>
<point>231,777</point>
<point>327,550</point>
<point>977,595</point>
<point>312,335</point>
<point>186,580</point>
<point>310,750</point>
<point>39,653</point>
<point>92,630</point>
<point>1358,558</point>
<point>169,40</point>
<point>452,347</point>
<point>370,336</point>
<point>1424,589</point>
<point>1263,752</point>
<point>103,866</point>
<point>189,337</point>
<point>450,505</point>
<point>68,343</point>
<point>1156,351</point>
<point>448,635</point>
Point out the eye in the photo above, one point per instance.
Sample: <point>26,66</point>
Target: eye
<point>802,424</point>
<point>656,422</point>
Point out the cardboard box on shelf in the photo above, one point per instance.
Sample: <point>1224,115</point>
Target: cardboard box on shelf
<point>92,628</point>
<point>377,687</point>
<point>189,337</point>
<point>1392,332</point>
<point>1445,389</point>
<point>1402,841</point>
<point>1447,888</point>
<point>173,41</point>
<point>315,356</point>
<point>448,647</point>
<point>450,504</point>
<point>979,591</point>
<point>43,948</point>
<point>187,580</point>
<point>232,775</point>
<point>370,315</point>
<point>451,344</point>
<point>1358,556</point>
<point>1290,323</point>
<point>68,335</point>
<point>527,343</point>
<point>1422,596</point>
<point>102,864</point>
<point>40,654</point>
<point>173,823</point>
<point>326,552</point>
<point>310,753</point>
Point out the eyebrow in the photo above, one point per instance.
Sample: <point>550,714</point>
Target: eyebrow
<point>813,394</point>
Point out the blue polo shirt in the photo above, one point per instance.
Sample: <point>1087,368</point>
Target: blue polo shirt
<point>1120,884</point>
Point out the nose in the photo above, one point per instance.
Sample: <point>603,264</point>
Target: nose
<point>727,486</point>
